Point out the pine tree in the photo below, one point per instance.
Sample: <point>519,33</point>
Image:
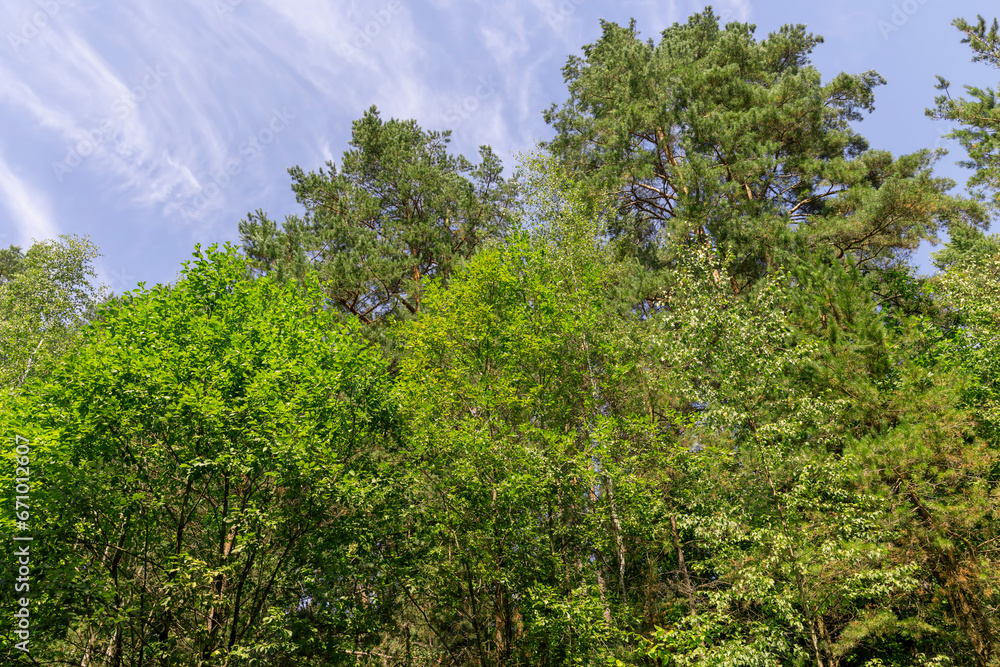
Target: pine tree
<point>980,116</point>
<point>399,210</point>
<point>714,138</point>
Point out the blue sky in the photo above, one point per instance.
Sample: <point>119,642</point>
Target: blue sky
<point>120,120</point>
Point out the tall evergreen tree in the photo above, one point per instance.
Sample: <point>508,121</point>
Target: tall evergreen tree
<point>979,117</point>
<point>712,137</point>
<point>399,210</point>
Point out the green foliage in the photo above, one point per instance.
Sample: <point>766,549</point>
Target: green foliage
<point>971,295</point>
<point>980,116</point>
<point>204,467</point>
<point>46,295</point>
<point>714,137</point>
<point>685,403</point>
<point>523,491</point>
<point>399,210</point>
<point>967,244</point>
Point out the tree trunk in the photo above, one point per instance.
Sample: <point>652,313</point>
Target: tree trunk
<point>688,587</point>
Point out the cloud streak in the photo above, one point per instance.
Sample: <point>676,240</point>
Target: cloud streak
<point>81,84</point>
<point>27,207</point>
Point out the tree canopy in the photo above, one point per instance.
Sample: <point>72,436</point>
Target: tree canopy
<point>672,394</point>
<point>46,295</point>
<point>399,210</point>
<point>714,137</point>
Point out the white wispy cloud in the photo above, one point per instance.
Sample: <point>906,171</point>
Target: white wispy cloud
<point>484,68</point>
<point>27,206</point>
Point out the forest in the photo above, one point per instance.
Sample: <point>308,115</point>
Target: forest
<point>668,392</point>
